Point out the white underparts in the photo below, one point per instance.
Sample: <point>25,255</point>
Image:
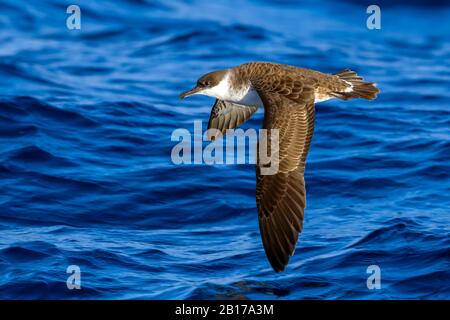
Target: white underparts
<point>350,87</point>
<point>248,97</point>
<point>320,96</point>
<point>220,91</point>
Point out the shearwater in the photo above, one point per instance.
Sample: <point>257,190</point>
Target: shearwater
<point>288,95</point>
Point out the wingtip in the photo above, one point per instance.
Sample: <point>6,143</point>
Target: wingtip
<point>278,268</point>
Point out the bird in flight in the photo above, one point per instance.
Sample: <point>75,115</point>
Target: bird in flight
<point>288,95</point>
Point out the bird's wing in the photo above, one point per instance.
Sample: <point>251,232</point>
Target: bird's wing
<point>281,198</point>
<point>226,115</point>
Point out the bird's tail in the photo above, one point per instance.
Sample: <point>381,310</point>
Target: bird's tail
<point>360,88</point>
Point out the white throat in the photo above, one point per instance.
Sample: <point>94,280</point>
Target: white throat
<point>224,91</point>
<point>220,91</point>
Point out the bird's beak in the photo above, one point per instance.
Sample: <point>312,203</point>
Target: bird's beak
<point>190,92</point>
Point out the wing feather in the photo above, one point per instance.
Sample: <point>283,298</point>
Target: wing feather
<point>226,115</point>
<point>281,198</point>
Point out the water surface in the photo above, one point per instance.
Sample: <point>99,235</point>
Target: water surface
<point>86,176</point>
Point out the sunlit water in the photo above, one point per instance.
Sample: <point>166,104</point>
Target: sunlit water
<point>86,177</point>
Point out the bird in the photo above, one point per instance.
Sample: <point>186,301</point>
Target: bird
<point>288,95</point>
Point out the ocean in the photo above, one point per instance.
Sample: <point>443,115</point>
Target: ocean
<point>87,180</point>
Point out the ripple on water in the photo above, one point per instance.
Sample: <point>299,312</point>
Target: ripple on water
<point>86,177</point>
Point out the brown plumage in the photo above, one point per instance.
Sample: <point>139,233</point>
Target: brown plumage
<point>226,115</point>
<point>288,94</point>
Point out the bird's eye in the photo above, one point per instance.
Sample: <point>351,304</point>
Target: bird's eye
<point>204,83</point>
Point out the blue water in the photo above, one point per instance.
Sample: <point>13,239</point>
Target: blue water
<point>86,177</point>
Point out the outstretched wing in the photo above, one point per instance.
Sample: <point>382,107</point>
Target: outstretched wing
<point>226,115</point>
<point>281,198</point>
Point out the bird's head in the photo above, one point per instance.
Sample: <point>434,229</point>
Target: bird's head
<point>213,84</point>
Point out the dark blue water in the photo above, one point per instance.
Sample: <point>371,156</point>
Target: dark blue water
<point>86,177</point>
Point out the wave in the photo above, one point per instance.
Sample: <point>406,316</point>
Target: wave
<point>86,176</point>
